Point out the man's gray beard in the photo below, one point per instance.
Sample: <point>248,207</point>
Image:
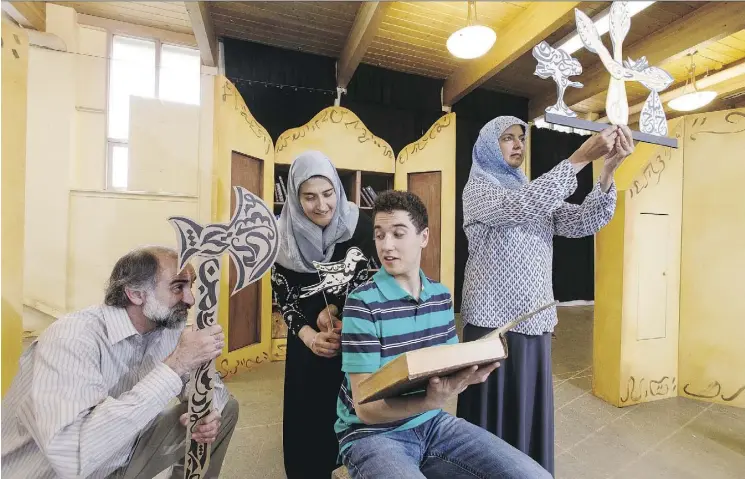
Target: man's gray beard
<point>163,316</point>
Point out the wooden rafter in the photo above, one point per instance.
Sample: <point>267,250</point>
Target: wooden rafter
<point>704,25</point>
<point>28,14</point>
<point>204,32</point>
<point>366,23</point>
<point>538,21</point>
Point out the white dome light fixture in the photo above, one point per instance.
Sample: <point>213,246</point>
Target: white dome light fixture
<point>473,40</point>
<point>694,99</point>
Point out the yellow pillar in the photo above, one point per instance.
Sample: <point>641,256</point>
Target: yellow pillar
<point>637,279</point>
<point>14,76</point>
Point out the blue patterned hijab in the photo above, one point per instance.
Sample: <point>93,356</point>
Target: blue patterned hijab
<point>487,156</point>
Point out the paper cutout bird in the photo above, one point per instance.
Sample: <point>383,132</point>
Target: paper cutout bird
<point>335,276</point>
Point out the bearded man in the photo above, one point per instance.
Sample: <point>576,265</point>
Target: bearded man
<point>92,393</point>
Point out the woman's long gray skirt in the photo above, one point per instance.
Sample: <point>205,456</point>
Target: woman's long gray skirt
<point>516,403</point>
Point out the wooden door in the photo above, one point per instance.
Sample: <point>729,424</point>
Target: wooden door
<point>244,317</point>
<point>653,232</point>
<point>428,187</point>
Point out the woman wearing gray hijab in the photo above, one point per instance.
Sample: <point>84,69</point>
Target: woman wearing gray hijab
<point>326,251</point>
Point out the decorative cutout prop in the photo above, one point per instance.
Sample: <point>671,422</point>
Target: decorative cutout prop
<point>251,240</point>
<point>559,65</point>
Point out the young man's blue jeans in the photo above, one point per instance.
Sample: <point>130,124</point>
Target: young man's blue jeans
<point>444,447</point>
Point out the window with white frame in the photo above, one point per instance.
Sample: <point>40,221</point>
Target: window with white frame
<point>150,69</point>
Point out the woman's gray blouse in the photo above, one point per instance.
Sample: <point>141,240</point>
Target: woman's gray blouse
<point>510,244</point>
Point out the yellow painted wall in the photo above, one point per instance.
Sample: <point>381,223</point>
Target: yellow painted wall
<point>235,129</point>
<point>712,320</point>
<point>341,136</point>
<point>606,333</point>
<point>66,168</point>
<point>637,280</point>
<point>105,226</point>
<point>13,139</point>
<point>435,151</point>
<point>163,147</point>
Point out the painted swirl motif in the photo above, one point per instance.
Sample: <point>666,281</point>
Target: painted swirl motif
<point>652,119</point>
<point>732,118</point>
<point>209,281</point>
<point>251,240</point>
<point>422,143</point>
<point>334,115</point>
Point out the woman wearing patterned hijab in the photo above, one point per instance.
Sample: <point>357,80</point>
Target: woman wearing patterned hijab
<point>510,223</point>
<point>326,251</point>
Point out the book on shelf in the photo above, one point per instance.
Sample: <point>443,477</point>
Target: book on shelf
<point>410,372</point>
<point>282,186</point>
<point>365,198</point>
<point>371,193</point>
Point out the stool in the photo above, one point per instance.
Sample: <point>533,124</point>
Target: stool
<point>340,473</point>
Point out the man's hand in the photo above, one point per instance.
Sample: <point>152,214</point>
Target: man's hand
<point>440,390</point>
<point>195,347</point>
<point>328,320</point>
<point>206,430</point>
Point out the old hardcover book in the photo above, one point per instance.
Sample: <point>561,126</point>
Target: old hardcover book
<point>410,372</point>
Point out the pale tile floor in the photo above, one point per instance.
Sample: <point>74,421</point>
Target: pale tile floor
<point>674,438</point>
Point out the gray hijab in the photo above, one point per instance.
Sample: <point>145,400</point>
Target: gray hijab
<point>300,240</point>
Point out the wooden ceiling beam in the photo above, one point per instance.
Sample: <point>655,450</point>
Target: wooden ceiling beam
<point>709,23</point>
<point>538,21</point>
<point>204,31</point>
<point>365,27</point>
<point>28,14</point>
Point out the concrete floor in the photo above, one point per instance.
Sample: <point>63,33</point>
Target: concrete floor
<point>674,438</point>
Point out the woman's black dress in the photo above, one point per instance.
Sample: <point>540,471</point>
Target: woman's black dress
<point>311,382</point>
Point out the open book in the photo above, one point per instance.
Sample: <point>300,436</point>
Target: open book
<point>410,372</point>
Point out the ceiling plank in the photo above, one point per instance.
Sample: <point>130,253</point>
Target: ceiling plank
<point>538,21</point>
<point>709,23</point>
<point>28,14</point>
<point>364,29</point>
<point>204,31</point>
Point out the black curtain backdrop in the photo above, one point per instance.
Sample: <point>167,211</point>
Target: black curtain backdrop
<point>574,261</point>
<point>284,89</point>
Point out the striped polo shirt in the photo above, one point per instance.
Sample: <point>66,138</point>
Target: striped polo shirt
<point>382,321</point>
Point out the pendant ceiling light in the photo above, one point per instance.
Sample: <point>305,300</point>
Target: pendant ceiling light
<point>693,99</point>
<point>473,40</point>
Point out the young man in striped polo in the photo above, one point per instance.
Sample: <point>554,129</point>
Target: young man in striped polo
<point>401,310</point>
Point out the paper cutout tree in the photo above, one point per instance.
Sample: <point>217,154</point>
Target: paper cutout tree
<point>559,65</point>
<point>652,122</point>
<point>252,241</point>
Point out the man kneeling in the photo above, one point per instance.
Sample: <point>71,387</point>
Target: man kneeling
<point>90,398</point>
<point>401,310</point>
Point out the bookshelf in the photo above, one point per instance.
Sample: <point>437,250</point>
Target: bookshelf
<point>360,186</point>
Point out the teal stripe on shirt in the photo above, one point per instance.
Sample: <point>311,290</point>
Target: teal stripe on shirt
<point>381,322</point>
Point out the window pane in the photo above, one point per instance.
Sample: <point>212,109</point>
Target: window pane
<point>132,73</point>
<point>179,74</point>
<point>119,166</point>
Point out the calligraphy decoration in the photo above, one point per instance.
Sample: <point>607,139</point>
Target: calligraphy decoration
<point>251,241</point>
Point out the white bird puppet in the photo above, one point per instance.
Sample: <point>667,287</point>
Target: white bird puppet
<point>335,276</point>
